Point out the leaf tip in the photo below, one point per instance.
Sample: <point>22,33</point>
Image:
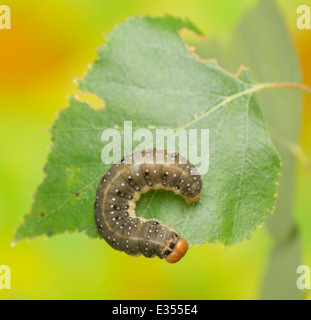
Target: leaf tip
<point>16,238</point>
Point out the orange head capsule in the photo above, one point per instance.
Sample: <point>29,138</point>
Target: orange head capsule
<point>178,252</point>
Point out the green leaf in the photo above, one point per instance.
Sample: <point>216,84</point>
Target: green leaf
<point>146,74</point>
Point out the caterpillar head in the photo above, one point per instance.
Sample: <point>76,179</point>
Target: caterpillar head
<point>178,251</point>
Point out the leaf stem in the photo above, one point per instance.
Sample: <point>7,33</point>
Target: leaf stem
<point>255,88</point>
<point>285,85</point>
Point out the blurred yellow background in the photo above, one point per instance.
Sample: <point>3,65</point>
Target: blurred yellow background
<point>51,43</point>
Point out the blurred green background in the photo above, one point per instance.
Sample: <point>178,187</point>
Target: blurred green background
<point>51,43</point>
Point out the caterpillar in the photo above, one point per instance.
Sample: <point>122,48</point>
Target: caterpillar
<point>123,185</point>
